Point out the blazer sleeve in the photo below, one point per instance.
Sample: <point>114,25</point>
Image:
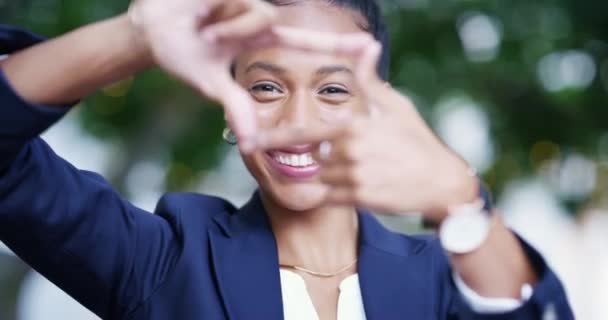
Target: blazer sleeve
<point>548,300</point>
<point>70,225</point>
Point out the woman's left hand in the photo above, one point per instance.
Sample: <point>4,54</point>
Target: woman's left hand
<point>389,160</point>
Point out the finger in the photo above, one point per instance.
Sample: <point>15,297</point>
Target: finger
<point>380,95</point>
<point>338,175</point>
<point>240,114</point>
<point>337,152</point>
<point>323,42</point>
<point>373,89</point>
<point>258,41</point>
<point>323,152</point>
<point>282,137</point>
<point>341,196</point>
<point>367,65</point>
<point>406,105</point>
<point>256,17</point>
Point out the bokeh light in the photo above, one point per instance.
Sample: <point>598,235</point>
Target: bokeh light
<point>572,69</point>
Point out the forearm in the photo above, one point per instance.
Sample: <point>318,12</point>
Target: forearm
<point>499,268</point>
<point>74,65</point>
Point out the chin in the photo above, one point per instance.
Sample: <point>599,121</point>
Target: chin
<point>297,197</point>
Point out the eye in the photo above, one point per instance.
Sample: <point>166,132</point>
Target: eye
<point>266,87</point>
<point>266,91</point>
<point>333,90</point>
<point>334,94</point>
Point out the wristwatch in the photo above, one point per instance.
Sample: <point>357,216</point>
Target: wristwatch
<point>467,226</point>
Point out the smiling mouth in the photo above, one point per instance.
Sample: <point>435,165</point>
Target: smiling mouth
<point>295,160</point>
<point>298,164</point>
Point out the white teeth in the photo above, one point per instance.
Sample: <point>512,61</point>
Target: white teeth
<point>294,160</point>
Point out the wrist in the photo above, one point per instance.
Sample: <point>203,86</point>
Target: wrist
<point>466,226</point>
<point>134,45</point>
<point>460,186</point>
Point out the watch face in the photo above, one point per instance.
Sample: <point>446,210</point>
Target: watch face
<point>464,230</point>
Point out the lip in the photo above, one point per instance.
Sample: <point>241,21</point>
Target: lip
<point>297,149</point>
<point>289,171</point>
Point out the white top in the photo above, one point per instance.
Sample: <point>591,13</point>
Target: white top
<point>297,304</point>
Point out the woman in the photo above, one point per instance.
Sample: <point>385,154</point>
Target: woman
<point>320,132</point>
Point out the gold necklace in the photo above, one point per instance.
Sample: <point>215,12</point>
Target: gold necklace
<point>319,274</point>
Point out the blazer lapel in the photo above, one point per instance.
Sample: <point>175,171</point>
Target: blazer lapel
<point>393,285</point>
<point>245,259</point>
<point>246,264</point>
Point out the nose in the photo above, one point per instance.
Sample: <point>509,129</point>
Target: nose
<point>298,111</point>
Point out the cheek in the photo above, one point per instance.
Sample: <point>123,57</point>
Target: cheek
<point>360,106</point>
<point>343,113</point>
<point>336,116</point>
<point>254,163</point>
<point>249,157</point>
<point>268,116</point>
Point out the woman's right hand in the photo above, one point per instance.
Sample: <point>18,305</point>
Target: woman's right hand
<point>197,40</point>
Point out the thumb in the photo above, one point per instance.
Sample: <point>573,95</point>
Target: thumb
<point>240,114</point>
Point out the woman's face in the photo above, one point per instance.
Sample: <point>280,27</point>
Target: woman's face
<point>298,89</point>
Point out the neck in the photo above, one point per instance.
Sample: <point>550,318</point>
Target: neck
<point>324,239</point>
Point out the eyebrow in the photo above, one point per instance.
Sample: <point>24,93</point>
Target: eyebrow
<point>327,70</point>
<point>273,68</point>
<point>266,66</point>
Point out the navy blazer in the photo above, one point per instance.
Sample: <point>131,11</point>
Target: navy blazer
<point>198,257</point>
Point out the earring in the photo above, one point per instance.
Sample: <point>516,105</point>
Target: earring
<point>229,136</point>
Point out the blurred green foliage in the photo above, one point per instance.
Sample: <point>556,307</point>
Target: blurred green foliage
<point>154,112</point>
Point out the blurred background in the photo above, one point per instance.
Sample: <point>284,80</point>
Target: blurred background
<point>518,87</point>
